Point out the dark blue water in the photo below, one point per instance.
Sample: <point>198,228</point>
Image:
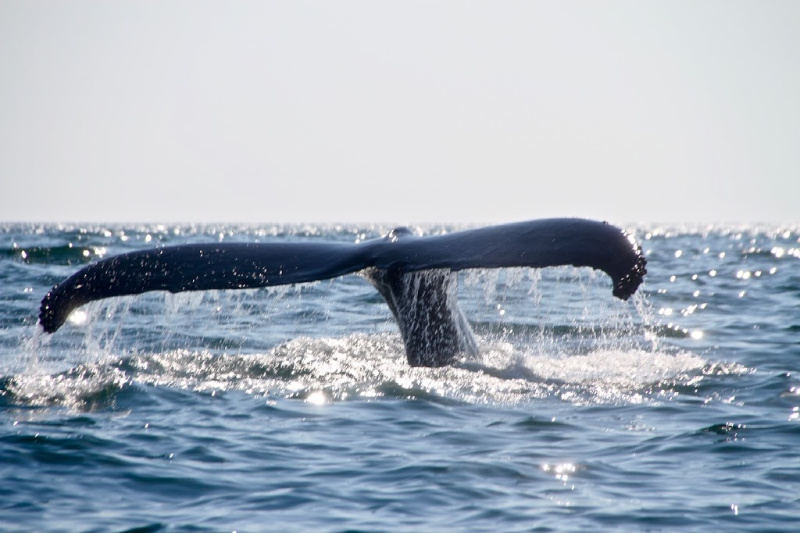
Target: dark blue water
<point>292,409</point>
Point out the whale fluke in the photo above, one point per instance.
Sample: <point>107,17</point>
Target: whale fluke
<point>415,275</point>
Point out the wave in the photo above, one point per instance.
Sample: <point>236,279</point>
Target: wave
<point>67,254</point>
<point>369,366</point>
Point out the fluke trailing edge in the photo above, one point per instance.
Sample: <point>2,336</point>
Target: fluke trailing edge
<point>415,275</point>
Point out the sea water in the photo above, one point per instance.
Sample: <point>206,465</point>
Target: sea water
<point>293,408</point>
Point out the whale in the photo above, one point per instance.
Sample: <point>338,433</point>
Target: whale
<point>415,275</point>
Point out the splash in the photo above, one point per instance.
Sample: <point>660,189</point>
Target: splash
<point>83,388</point>
<point>369,366</point>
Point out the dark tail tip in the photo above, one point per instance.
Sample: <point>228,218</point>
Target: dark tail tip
<point>626,286</point>
<point>50,313</point>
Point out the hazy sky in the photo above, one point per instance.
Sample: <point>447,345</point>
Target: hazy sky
<point>370,111</point>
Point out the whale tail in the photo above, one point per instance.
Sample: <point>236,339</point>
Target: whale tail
<point>425,307</point>
<point>415,275</point>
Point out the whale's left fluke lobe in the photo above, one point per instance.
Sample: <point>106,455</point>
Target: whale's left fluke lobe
<point>392,261</point>
<point>198,267</point>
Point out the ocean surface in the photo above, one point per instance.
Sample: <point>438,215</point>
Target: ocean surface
<point>293,408</point>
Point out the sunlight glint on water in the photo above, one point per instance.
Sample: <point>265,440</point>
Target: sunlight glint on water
<point>295,407</point>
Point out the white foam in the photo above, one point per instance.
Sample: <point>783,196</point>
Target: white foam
<point>372,365</point>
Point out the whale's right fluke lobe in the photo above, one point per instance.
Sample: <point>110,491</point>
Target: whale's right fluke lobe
<point>536,244</point>
<point>393,261</point>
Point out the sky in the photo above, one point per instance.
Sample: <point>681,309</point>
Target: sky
<point>407,112</point>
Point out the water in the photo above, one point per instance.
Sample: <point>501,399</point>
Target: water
<point>292,409</point>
